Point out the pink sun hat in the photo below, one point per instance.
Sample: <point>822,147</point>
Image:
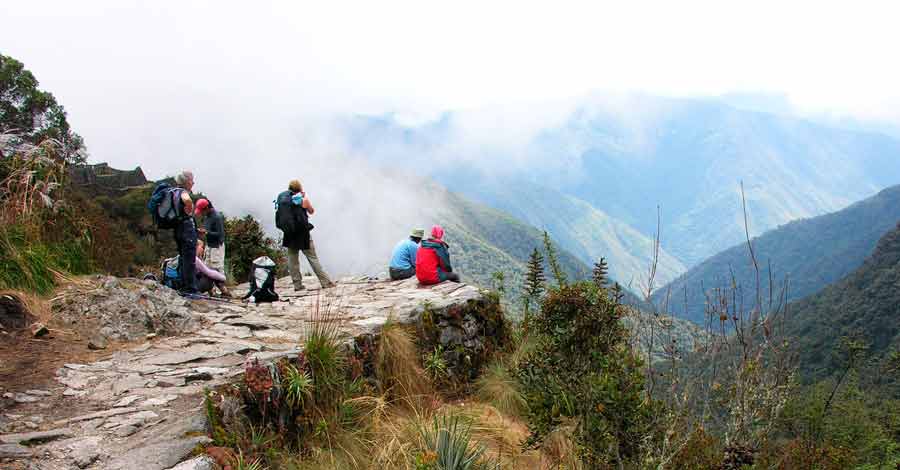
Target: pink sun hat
<point>437,232</point>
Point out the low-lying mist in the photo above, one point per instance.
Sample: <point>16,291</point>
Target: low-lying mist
<point>361,210</point>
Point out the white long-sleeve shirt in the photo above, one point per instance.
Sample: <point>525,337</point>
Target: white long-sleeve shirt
<point>202,268</point>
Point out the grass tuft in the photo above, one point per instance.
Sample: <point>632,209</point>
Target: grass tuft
<point>397,364</point>
<point>325,356</point>
<point>499,388</point>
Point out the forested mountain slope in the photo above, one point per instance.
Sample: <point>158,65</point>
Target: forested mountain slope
<point>864,306</point>
<point>484,241</point>
<point>809,253</point>
<point>579,227</point>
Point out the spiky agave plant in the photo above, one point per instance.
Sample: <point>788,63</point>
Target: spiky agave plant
<point>450,439</point>
<point>241,463</point>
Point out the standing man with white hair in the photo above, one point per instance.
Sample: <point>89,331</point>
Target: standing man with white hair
<point>186,233</point>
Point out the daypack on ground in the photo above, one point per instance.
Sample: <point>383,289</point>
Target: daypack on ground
<point>262,280</point>
<point>165,205</point>
<point>169,275</point>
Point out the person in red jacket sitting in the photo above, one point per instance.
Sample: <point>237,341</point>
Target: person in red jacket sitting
<point>433,260</point>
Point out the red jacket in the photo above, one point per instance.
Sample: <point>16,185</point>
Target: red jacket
<point>432,261</point>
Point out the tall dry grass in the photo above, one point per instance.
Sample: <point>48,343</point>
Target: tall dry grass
<point>40,238</point>
<point>397,366</point>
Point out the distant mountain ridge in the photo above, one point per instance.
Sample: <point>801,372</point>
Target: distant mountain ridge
<point>811,253</point>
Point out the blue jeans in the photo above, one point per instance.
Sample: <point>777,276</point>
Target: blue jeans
<point>186,239</point>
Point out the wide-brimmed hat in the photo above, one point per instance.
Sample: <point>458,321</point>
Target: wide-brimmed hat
<point>417,233</point>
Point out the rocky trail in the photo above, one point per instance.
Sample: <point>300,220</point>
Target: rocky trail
<point>139,403</point>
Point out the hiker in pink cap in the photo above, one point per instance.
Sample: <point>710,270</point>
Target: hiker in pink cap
<point>213,232</point>
<point>433,260</point>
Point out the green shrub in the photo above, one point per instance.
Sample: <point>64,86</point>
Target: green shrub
<point>581,369</point>
<point>859,430</point>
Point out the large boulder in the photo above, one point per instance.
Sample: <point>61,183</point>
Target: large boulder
<point>123,309</point>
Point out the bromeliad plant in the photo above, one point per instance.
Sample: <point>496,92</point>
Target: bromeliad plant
<point>299,386</point>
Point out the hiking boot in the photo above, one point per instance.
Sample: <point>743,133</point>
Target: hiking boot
<point>223,291</point>
<point>329,285</point>
<point>299,288</point>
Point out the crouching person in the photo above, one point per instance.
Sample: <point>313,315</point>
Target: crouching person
<point>214,232</point>
<point>433,260</point>
<point>403,259</point>
<point>204,277</point>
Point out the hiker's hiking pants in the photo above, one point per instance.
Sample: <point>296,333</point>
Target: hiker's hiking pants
<point>447,276</point>
<point>214,257</point>
<point>398,274</point>
<point>294,266</point>
<point>186,239</point>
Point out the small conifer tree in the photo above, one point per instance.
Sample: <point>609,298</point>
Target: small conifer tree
<point>534,279</point>
<point>601,271</point>
<point>618,293</point>
<point>558,274</point>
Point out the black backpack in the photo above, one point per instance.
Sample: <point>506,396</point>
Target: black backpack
<point>165,206</point>
<point>262,280</point>
<point>284,214</point>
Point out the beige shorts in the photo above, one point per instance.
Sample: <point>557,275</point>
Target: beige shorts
<point>215,258</point>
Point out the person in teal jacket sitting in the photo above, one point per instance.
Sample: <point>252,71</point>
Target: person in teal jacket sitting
<point>403,259</point>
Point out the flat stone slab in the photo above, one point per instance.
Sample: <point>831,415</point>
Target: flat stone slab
<point>14,451</point>
<point>197,463</point>
<point>32,437</point>
<point>99,414</point>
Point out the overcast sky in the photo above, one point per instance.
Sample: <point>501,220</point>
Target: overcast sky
<point>434,55</point>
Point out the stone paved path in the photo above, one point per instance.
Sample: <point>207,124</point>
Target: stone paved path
<point>141,408</point>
